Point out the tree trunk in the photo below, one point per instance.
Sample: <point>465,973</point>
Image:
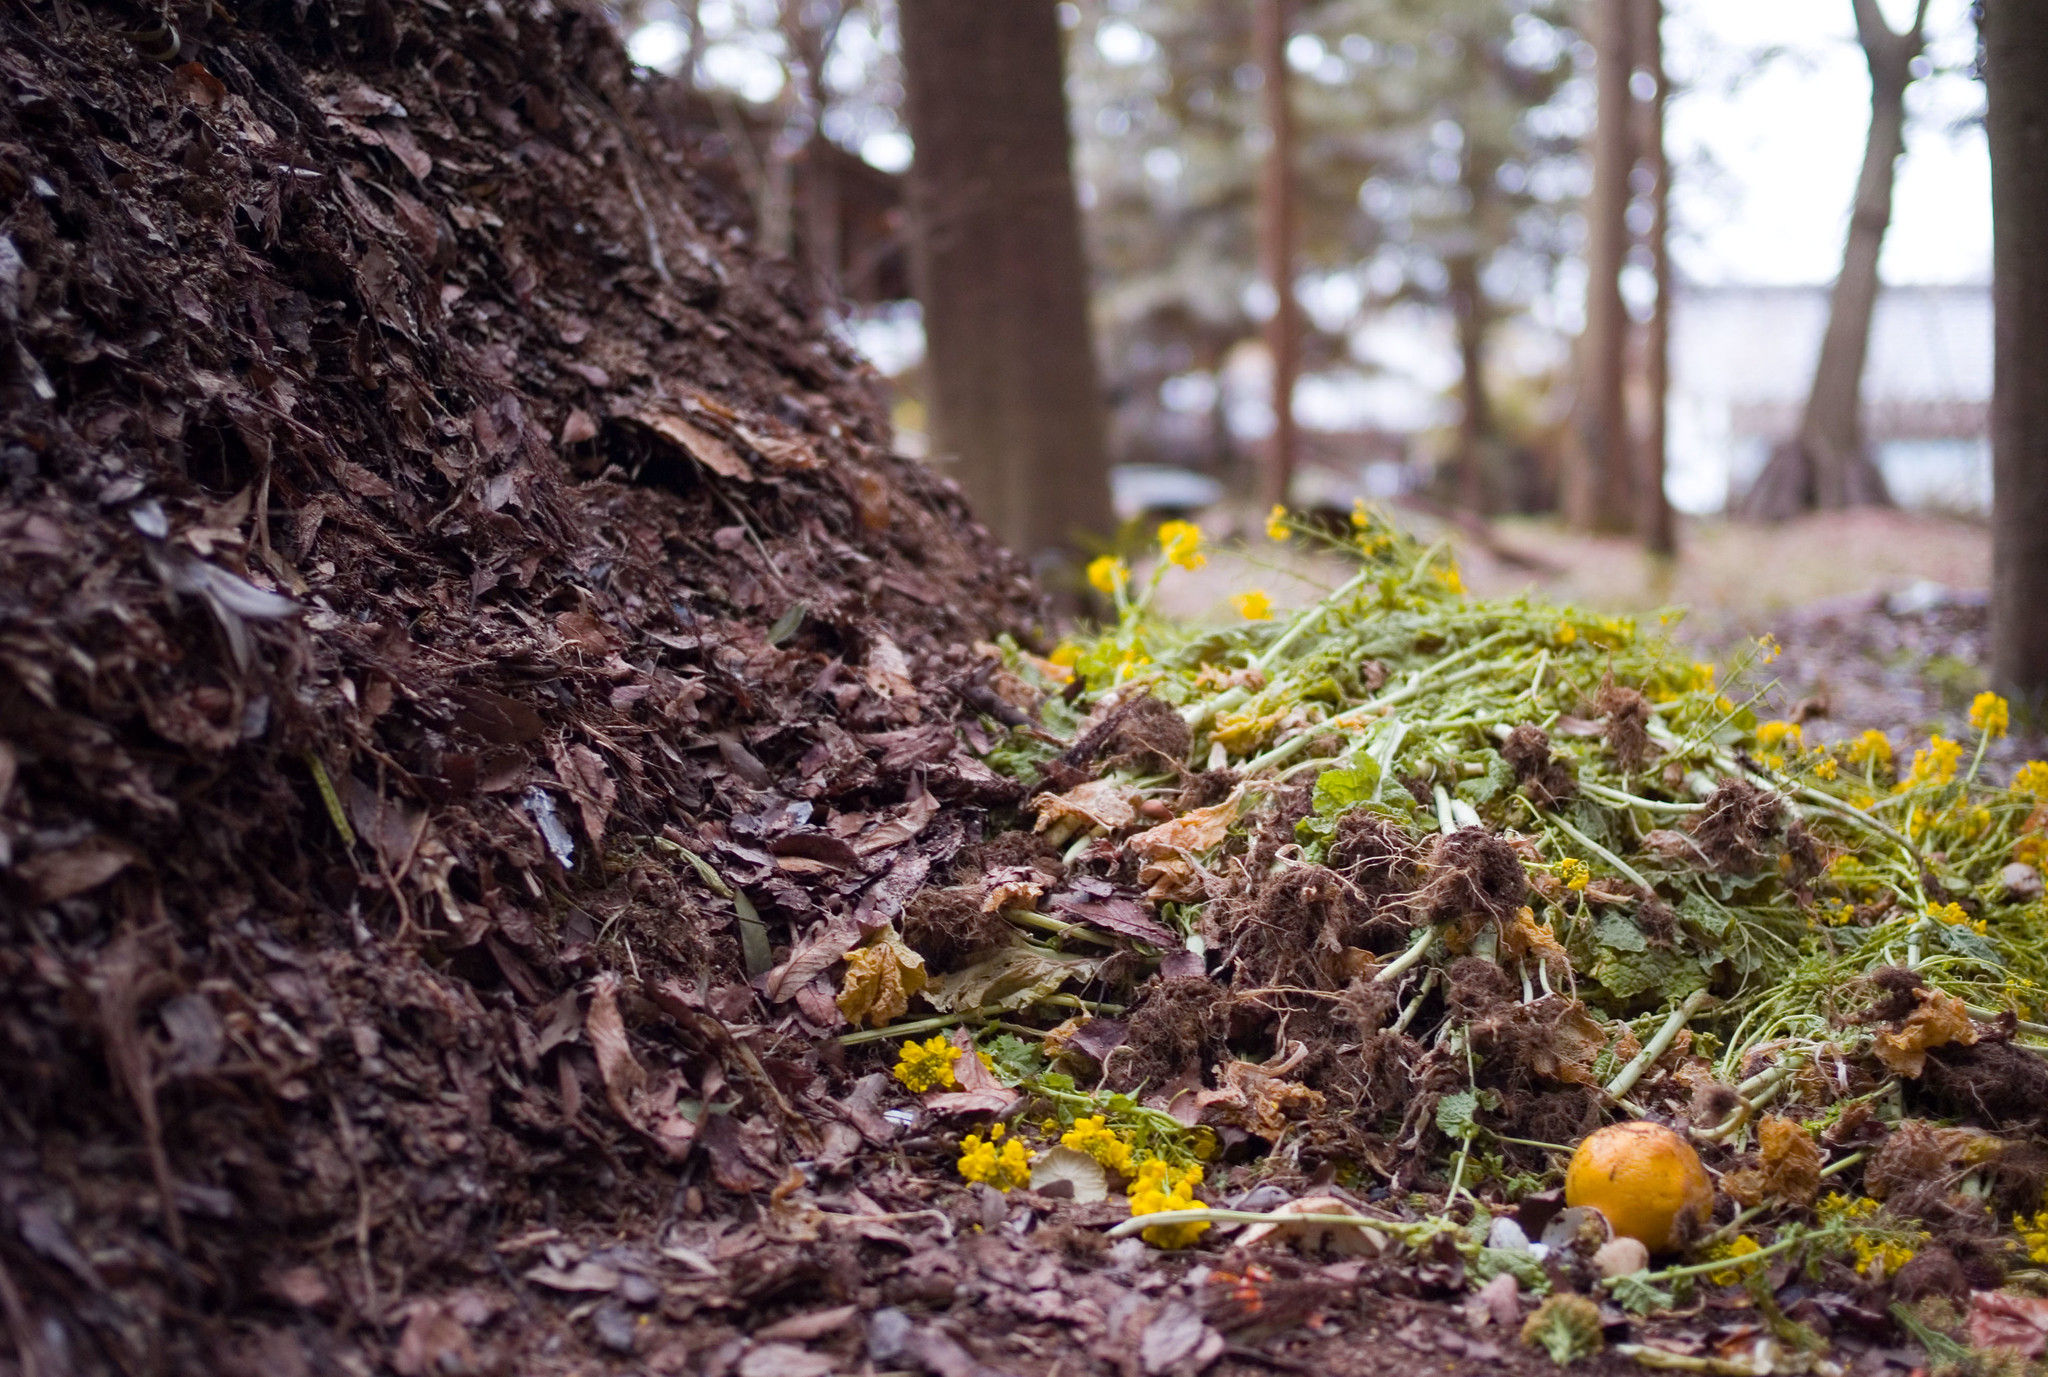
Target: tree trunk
<point>2015,39</point>
<point>1276,245</point>
<point>1475,419</point>
<point>1016,408</point>
<point>1827,465</point>
<point>1654,523</point>
<point>1599,486</point>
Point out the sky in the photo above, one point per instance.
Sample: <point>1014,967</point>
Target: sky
<point>1767,148</point>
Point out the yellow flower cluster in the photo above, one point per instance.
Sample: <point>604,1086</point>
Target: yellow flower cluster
<point>2032,780</point>
<point>1004,1168</point>
<point>2033,1235</point>
<point>1702,675</point>
<point>1451,579</point>
<point>1990,714</point>
<point>1107,573</point>
<point>1564,633</point>
<point>1934,765</point>
<point>1093,1136</point>
<point>1955,916</point>
<point>1575,873</point>
<point>1731,1250</point>
<point>1768,649</point>
<point>1885,1255</point>
<point>2031,850</point>
<point>1873,1249</point>
<point>1158,1188</point>
<point>1276,523</point>
<point>1826,767</point>
<point>1181,543</point>
<point>1772,735</point>
<point>1873,746</point>
<point>1253,605</point>
<point>922,1066</point>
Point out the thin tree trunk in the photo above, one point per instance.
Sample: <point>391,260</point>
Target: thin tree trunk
<point>1016,406</point>
<point>1276,245</point>
<point>1599,486</point>
<point>1828,465</point>
<point>1475,420</point>
<point>1655,525</point>
<point>2015,39</point>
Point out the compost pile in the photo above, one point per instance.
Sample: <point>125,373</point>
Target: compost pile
<point>457,608</point>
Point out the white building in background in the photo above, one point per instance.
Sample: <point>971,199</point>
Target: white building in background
<point>1742,361</point>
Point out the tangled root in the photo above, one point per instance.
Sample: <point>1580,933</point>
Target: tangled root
<point>947,926</point>
<point>1142,731</point>
<point>1375,853</point>
<point>1737,828</point>
<point>1471,877</point>
<point>1176,1031</point>
<point>1628,723</point>
<point>1547,780</point>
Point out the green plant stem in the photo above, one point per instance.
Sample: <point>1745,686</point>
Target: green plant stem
<point>1401,964</point>
<point>1026,918</point>
<point>1625,1079</point>
<point>1407,1231</point>
<point>1621,867</point>
<point>1695,1269</point>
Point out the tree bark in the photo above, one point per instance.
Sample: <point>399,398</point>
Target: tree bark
<point>1475,419</point>
<point>1828,465</point>
<point>1599,485</point>
<point>1277,210</point>
<point>2015,45</point>
<point>1655,525</point>
<point>1016,406</point>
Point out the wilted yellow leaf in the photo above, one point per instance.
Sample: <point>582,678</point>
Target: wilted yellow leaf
<point>880,979</point>
<point>1940,1020</point>
<point>1098,803</point>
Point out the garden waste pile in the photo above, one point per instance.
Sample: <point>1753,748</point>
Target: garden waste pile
<point>1344,930</point>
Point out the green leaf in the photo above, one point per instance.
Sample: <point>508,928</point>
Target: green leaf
<point>1454,1114</point>
<point>1345,787</point>
<point>1015,1058</point>
<point>1637,1296</point>
<point>1618,932</point>
<point>1626,974</point>
<point>785,625</point>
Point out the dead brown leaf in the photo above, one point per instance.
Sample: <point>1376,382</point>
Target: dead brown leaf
<point>650,1103</point>
<point>1941,1019</point>
<point>880,979</point>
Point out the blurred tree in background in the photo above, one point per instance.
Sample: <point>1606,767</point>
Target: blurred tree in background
<point>1437,163</point>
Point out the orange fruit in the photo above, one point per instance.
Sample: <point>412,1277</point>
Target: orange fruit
<point>1647,1181</point>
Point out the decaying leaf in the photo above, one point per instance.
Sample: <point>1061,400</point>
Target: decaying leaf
<point>1172,879</point>
<point>2002,1320</point>
<point>978,1091</point>
<point>1523,936</point>
<point>1197,830</point>
<point>1012,977</point>
<point>654,1103</point>
<point>1940,1019</point>
<point>1361,1241</point>
<point>880,979</point>
<point>1257,1097</point>
<point>1061,1169</point>
<point>1100,803</point>
<point>1788,1169</point>
<point>1017,886</point>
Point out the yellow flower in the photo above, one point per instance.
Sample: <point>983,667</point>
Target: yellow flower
<point>2032,780</point>
<point>1934,765</point>
<point>1702,675</point>
<point>1066,655</point>
<point>1450,578</point>
<point>1360,516</point>
<point>923,1065</point>
<point>1159,1188</point>
<point>1564,633</point>
<point>1004,1168</point>
<point>1770,760</point>
<point>1253,605</point>
<point>2033,1235</point>
<point>1276,523</point>
<point>1955,916</point>
<point>1771,735</point>
<point>1826,767</point>
<point>1181,543</point>
<point>1873,746</point>
<point>1990,714</point>
<point>1884,1255</point>
<point>1093,1136</point>
<point>1731,1250</point>
<point>1575,873</point>
<point>1107,573</point>
<point>1767,648</point>
<point>2031,851</point>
